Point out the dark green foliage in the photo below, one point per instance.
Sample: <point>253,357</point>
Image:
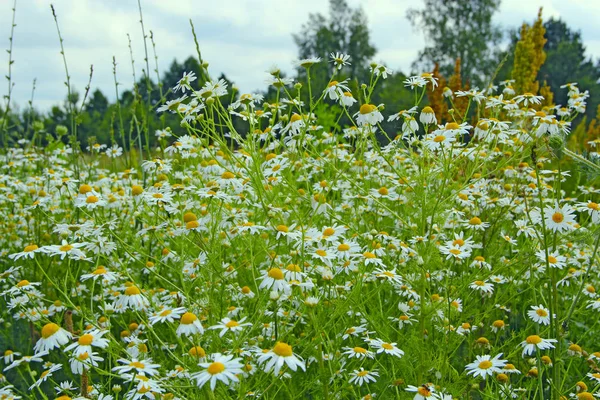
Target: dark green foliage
<point>458,29</point>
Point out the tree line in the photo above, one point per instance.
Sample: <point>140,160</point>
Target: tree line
<point>465,49</point>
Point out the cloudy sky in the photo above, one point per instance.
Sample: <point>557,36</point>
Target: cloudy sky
<point>241,38</point>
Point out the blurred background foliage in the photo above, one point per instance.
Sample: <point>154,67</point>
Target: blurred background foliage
<point>464,49</point>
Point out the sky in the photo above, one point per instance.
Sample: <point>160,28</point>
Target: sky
<point>241,38</point>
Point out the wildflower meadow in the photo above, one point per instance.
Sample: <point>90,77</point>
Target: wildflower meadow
<point>280,249</point>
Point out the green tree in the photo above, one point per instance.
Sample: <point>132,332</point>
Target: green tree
<point>458,29</point>
<point>566,61</point>
<point>345,31</point>
<point>97,103</point>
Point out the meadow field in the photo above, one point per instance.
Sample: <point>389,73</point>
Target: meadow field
<point>298,248</point>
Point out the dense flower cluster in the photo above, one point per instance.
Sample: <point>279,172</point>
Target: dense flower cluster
<point>302,262</point>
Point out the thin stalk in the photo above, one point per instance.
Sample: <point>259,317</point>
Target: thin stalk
<point>11,85</point>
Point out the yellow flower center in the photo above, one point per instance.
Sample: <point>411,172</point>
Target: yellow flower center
<point>368,254</point>
<point>343,247</point>
<point>282,228</point>
<point>593,206</point>
<point>387,346</point>
<point>282,349</point>
<point>83,189</point>
<point>216,368</point>
<point>575,347</point>
<point>485,364</point>
<point>30,248</point>
<point>136,190</point>
<point>232,324</point>
<point>328,232</point>
<point>541,312</point>
<point>293,268</point>
<point>49,330</point>
<point>85,340</point>
<point>197,351</point>
<point>360,350</point>
<point>22,283</point>
<point>367,109</point>
<point>321,253</point>
<point>475,221</point>
<point>188,318</point>
<point>192,224</point>
<point>137,365</point>
<point>65,247</point>
<point>533,339</point>
<point>132,291</point>
<point>363,373</point>
<point>458,242</point>
<point>558,217</point>
<point>275,273</point>
<point>439,138</point>
<point>91,199</point>
<point>585,396</point>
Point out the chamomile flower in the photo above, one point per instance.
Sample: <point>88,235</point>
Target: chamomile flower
<point>45,375</point>
<point>336,89</point>
<point>274,279</point>
<point>558,219</point>
<point>362,376</point>
<point>101,273</point>
<point>184,83</point>
<point>141,367</point>
<point>83,361</point>
<point>52,337</point>
<point>189,325</point>
<point>485,366</point>
<point>131,298</point>
<point>230,325</point>
<point>88,340</point>
<point>166,314</point>
<point>28,252</point>
<point>534,342</point>
<point>281,354</point>
<point>423,392</point>
<point>357,352</point>
<point>339,60</point>
<point>381,346</point>
<point>224,368</point>
<point>539,314</point>
<point>368,115</point>
<point>483,287</point>
<point>427,116</point>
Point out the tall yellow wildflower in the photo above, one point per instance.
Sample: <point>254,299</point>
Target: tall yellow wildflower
<point>529,56</point>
